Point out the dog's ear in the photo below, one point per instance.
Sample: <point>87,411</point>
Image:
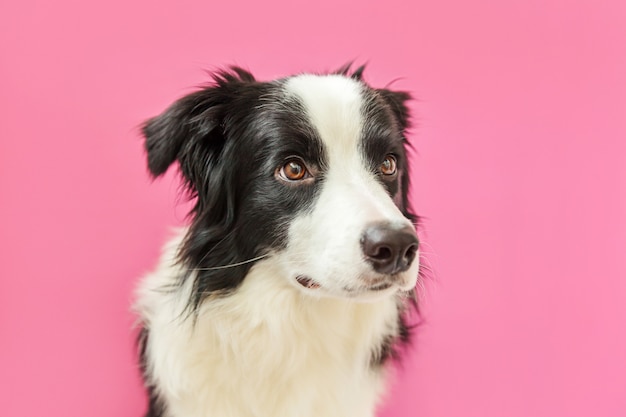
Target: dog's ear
<point>346,70</point>
<point>191,130</point>
<point>178,129</point>
<point>397,102</point>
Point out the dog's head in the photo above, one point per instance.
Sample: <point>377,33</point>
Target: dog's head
<point>309,172</point>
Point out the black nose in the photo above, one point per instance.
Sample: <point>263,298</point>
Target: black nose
<point>389,249</point>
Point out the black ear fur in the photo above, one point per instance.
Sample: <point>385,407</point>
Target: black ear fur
<point>189,119</point>
<point>345,70</point>
<point>397,101</point>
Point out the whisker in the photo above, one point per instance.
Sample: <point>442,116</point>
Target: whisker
<point>213,268</point>
<point>426,266</point>
<point>434,252</point>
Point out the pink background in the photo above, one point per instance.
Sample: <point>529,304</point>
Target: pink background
<point>520,173</point>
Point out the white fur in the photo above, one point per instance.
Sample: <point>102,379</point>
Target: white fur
<point>273,348</point>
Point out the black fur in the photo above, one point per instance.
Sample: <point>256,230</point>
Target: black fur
<point>155,408</point>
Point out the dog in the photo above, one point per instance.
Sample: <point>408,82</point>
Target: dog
<point>289,291</point>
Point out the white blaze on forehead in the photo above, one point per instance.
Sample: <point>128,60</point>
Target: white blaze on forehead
<point>333,104</point>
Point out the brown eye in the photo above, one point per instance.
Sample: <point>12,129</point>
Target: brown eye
<point>293,170</point>
<point>389,165</point>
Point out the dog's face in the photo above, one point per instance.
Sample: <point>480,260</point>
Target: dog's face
<point>308,172</point>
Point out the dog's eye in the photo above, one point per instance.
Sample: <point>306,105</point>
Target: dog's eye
<point>294,170</point>
<point>389,166</point>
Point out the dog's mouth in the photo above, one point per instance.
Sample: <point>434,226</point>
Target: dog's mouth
<point>307,282</point>
<point>310,283</point>
<point>380,287</point>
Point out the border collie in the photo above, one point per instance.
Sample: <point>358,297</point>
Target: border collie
<point>288,292</point>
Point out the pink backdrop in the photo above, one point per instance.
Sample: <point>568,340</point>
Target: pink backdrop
<point>521,175</point>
